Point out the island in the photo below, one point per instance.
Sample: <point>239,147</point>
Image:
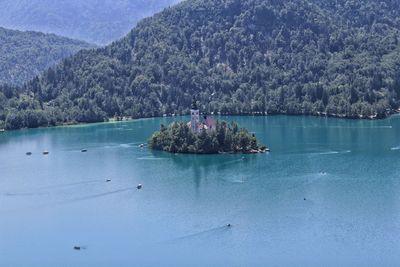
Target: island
<point>205,136</point>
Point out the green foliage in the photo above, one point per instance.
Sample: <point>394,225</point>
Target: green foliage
<point>24,55</point>
<point>96,21</point>
<point>317,57</point>
<point>178,138</point>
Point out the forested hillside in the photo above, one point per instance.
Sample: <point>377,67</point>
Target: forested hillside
<point>340,58</point>
<point>95,21</point>
<point>24,55</point>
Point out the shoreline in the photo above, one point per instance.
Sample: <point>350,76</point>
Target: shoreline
<point>260,150</point>
<point>250,152</point>
<point>129,119</point>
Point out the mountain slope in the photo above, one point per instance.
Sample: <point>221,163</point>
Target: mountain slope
<point>24,55</point>
<point>95,21</point>
<point>237,57</point>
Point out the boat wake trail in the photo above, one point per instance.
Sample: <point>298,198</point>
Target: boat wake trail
<point>236,181</point>
<point>151,158</point>
<point>331,153</point>
<point>78,199</point>
<point>20,194</point>
<point>96,196</point>
<point>239,180</point>
<point>73,184</point>
<point>114,146</point>
<point>130,145</point>
<point>41,190</point>
<point>205,233</point>
<point>346,127</point>
<point>327,153</point>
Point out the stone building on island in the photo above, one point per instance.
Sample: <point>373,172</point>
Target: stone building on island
<point>196,123</point>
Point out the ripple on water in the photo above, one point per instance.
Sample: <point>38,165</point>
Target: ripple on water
<point>125,145</point>
<point>235,180</point>
<point>331,152</point>
<point>150,158</point>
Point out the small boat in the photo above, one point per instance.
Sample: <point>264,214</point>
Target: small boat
<point>108,180</point>
<point>77,248</point>
<point>2,130</point>
<point>139,186</point>
<point>229,225</point>
<point>84,150</point>
<point>141,145</point>
<point>46,152</point>
<point>28,153</point>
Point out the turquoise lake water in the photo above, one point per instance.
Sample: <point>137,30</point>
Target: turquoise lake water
<point>327,195</point>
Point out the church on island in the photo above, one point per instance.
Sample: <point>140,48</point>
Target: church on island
<point>200,136</point>
<point>196,124</point>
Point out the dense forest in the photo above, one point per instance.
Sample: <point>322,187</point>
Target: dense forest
<point>227,138</point>
<point>319,57</point>
<point>95,21</point>
<point>24,55</point>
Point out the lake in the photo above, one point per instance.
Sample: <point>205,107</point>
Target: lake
<point>327,195</point>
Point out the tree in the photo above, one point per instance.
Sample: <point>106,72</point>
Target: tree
<point>310,58</point>
<point>178,138</point>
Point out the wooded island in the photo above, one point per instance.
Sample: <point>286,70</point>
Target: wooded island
<point>226,138</point>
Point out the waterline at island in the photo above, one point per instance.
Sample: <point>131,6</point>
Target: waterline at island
<point>205,136</point>
<point>226,138</point>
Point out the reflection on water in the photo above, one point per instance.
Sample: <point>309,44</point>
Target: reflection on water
<point>328,188</point>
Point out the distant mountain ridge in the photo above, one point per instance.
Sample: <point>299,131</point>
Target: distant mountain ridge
<point>95,21</point>
<point>24,55</point>
<point>314,57</point>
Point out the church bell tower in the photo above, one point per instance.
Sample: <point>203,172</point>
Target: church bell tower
<point>195,116</point>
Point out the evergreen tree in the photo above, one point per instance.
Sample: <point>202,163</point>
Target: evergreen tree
<point>178,138</point>
<point>248,57</point>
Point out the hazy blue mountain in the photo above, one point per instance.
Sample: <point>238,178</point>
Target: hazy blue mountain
<point>95,21</point>
<point>316,57</point>
<point>23,55</point>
